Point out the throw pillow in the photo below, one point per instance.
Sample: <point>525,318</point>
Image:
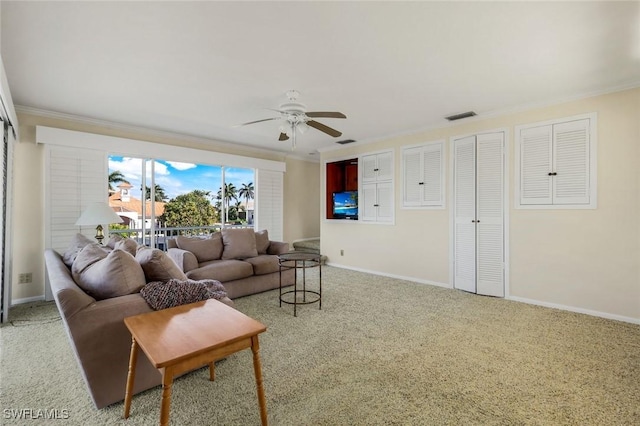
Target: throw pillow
<point>163,295</point>
<point>205,249</point>
<point>113,239</point>
<point>239,243</point>
<point>157,266</point>
<point>78,242</point>
<point>262,241</point>
<point>103,275</point>
<point>128,245</point>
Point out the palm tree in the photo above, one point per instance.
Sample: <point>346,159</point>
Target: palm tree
<point>116,176</point>
<point>246,192</point>
<point>160,195</point>
<point>230,193</point>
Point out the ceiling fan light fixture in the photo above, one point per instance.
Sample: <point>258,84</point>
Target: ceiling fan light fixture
<point>286,129</point>
<point>302,127</point>
<point>295,119</point>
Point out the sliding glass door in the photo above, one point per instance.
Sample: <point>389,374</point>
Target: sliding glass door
<point>160,198</point>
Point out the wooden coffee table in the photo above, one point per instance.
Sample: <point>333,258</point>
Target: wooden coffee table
<point>183,338</point>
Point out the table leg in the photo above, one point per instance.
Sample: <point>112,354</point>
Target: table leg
<point>280,281</point>
<point>131,375</point>
<point>212,371</point>
<point>167,381</point>
<point>295,289</point>
<point>257,368</point>
<point>304,281</point>
<point>320,282</point>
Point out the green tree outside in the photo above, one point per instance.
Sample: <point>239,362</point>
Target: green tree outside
<point>230,193</point>
<point>160,195</point>
<point>116,176</point>
<point>190,209</point>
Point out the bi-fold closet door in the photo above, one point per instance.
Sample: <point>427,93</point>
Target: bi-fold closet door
<point>479,214</point>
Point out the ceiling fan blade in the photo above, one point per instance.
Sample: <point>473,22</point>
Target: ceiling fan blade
<point>283,137</point>
<point>257,121</point>
<point>328,130</point>
<point>327,114</point>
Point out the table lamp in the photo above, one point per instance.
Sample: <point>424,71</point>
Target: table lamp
<point>96,214</point>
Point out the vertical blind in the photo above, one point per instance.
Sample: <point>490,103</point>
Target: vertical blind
<point>75,178</point>
<point>269,203</point>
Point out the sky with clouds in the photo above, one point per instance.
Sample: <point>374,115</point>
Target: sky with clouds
<point>178,178</point>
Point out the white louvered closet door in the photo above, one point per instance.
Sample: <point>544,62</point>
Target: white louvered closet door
<point>490,215</point>
<point>432,175</point>
<point>536,164</point>
<point>571,162</point>
<point>369,166</point>
<point>479,214</point>
<point>464,213</point>
<point>384,166</point>
<point>412,176</point>
<point>384,202</point>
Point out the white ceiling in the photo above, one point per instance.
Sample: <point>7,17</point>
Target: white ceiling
<point>199,68</point>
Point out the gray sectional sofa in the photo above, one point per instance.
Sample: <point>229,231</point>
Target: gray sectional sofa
<point>244,261</point>
<point>96,288</point>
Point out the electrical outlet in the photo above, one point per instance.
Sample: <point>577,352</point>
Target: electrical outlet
<point>341,252</point>
<point>25,278</point>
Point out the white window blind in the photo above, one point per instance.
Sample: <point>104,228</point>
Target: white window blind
<point>269,203</point>
<point>74,179</point>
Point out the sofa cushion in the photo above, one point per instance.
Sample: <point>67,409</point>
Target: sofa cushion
<point>239,243</point>
<point>264,264</point>
<point>128,245</point>
<point>113,239</point>
<point>262,241</point>
<point>222,270</point>
<point>157,265</point>
<point>104,275</point>
<point>205,249</point>
<point>78,242</point>
<point>163,295</point>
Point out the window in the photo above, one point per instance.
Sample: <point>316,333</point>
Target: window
<point>185,195</point>
<point>556,164</point>
<point>76,176</point>
<point>423,176</point>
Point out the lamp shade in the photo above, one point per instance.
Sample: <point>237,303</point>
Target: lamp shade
<point>97,214</point>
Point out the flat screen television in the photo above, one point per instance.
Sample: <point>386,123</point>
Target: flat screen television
<point>345,205</point>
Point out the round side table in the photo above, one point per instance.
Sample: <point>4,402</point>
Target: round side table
<point>302,261</point>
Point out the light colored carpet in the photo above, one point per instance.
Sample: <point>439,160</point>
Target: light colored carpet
<point>381,351</point>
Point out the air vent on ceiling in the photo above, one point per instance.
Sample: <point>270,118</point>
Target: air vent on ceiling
<point>346,141</point>
<point>460,116</point>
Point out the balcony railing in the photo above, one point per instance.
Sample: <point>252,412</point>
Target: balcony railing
<point>161,234</point>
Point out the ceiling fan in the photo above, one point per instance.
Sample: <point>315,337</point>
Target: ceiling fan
<point>295,118</point>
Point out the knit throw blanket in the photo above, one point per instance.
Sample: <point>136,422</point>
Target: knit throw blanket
<point>167,294</point>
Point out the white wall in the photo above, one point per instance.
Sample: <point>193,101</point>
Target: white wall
<point>584,260</point>
<point>28,205</point>
<point>302,200</point>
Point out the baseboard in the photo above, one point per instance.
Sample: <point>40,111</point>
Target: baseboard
<point>383,274</point>
<point>27,300</point>
<point>574,309</point>
<point>513,298</point>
